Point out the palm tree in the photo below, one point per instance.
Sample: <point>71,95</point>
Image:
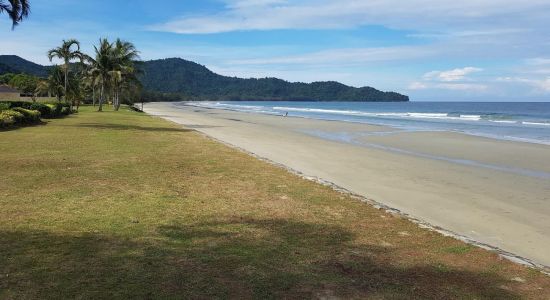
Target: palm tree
<point>55,82</point>
<point>124,55</point>
<point>102,65</point>
<point>112,68</point>
<point>17,10</point>
<point>66,53</point>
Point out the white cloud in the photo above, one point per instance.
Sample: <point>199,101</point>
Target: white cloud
<point>454,80</point>
<point>538,61</point>
<point>417,85</point>
<point>544,85</point>
<point>240,15</point>
<point>462,86</point>
<point>540,85</point>
<point>343,56</point>
<point>472,87</point>
<point>451,75</point>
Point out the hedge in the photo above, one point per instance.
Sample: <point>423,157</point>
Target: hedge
<point>4,106</point>
<point>47,110</point>
<point>6,120</point>
<point>11,117</point>
<point>30,116</point>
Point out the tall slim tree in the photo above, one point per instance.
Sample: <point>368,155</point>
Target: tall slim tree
<point>17,10</point>
<point>67,53</point>
<point>55,82</point>
<point>124,55</point>
<point>102,65</point>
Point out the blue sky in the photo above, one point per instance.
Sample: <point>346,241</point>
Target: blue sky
<point>493,50</point>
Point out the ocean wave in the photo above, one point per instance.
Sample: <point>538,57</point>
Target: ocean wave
<point>536,123</point>
<point>490,118</point>
<point>414,115</point>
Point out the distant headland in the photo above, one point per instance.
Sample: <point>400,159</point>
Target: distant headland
<point>176,79</point>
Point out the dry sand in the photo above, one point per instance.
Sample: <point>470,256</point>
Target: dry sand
<point>495,192</point>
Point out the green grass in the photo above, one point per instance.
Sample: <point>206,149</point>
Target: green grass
<point>123,205</point>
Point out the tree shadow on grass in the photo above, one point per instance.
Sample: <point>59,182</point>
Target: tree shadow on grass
<point>229,258</point>
<point>41,123</point>
<point>130,127</point>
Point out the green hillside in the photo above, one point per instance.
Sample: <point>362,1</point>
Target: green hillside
<point>190,80</point>
<point>175,79</point>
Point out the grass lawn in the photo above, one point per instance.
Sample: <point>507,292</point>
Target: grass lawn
<point>123,205</point>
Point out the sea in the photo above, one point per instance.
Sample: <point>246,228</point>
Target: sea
<point>516,121</point>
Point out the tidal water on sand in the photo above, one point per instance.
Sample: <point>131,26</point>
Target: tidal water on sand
<point>517,121</point>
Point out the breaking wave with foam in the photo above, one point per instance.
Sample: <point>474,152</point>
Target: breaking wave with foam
<point>526,122</point>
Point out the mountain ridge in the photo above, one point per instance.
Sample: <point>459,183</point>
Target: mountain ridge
<point>176,79</point>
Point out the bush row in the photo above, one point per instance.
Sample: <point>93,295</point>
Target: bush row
<point>18,116</point>
<point>47,110</point>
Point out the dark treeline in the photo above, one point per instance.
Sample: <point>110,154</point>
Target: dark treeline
<point>175,79</point>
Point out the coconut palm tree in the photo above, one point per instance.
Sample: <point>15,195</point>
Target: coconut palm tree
<point>124,55</point>
<point>101,68</point>
<point>67,53</point>
<point>55,83</point>
<point>17,10</point>
<point>112,68</point>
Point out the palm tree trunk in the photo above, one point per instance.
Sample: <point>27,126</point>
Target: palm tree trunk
<point>101,99</point>
<point>93,95</point>
<point>117,103</point>
<point>66,78</point>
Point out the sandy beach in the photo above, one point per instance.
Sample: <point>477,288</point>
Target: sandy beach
<point>492,191</point>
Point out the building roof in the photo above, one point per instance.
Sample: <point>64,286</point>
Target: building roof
<point>7,89</point>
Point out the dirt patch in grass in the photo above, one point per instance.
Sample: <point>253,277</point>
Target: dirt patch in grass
<point>122,205</point>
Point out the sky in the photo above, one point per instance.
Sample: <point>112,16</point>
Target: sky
<point>431,50</point>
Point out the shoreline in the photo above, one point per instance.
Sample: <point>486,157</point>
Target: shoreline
<point>395,207</point>
<point>479,135</point>
<point>378,205</point>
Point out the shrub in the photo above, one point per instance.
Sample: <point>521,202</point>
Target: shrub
<point>19,117</point>
<point>6,120</point>
<point>65,110</point>
<point>30,116</point>
<point>45,111</point>
<point>55,109</point>
<point>4,106</point>
<point>23,104</point>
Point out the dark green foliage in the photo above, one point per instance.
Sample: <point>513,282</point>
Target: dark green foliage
<point>190,81</point>
<point>47,110</point>
<point>6,77</point>
<point>4,106</point>
<point>59,109</point>
<point>176,79</point>
<point>17,116</point>
<point>16,64</point>
<point>6,119</point>
<point>12,104</point>
<point>150,96</point>
<point>24,83</point>
<point>55,109</point>
<point>29,116</point>
<point>42,108</point>
<point>65,110</point>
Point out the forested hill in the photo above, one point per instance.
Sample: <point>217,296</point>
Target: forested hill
<point>175,79</point>
<point>190,80</point>
<point>16,64</point>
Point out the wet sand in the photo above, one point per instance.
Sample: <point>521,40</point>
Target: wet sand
<point>495,192</point>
